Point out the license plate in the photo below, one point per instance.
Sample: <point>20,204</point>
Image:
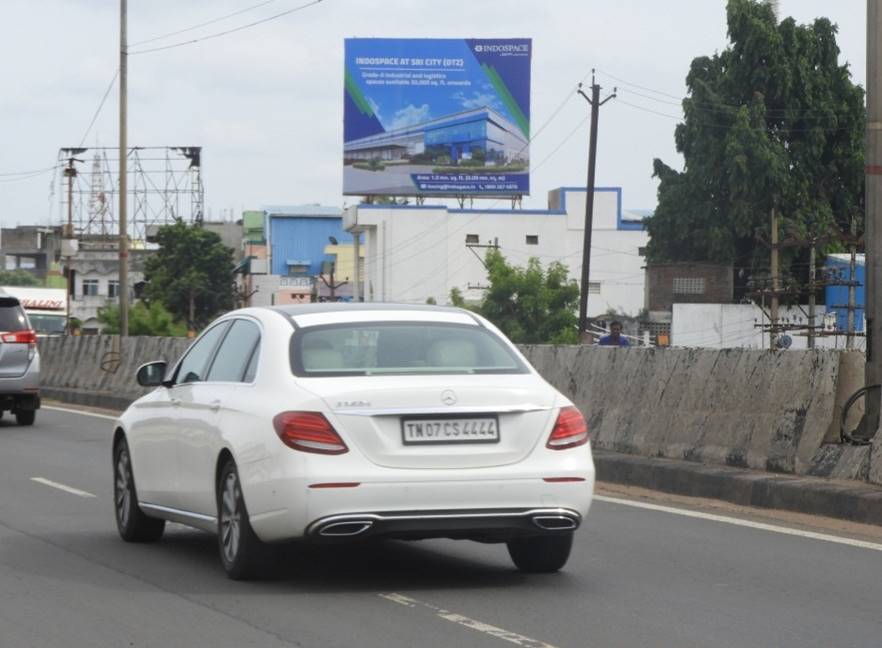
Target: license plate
<point>427,431</point>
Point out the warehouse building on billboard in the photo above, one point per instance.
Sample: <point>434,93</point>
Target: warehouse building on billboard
<point>481,134</point>
<point>419,253</point>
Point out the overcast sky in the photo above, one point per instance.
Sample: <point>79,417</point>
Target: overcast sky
<point>266,103</point>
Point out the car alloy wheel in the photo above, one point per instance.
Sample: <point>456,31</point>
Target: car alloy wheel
<point>122,488</point>
<point>242,553</point>
<point>131,522</point>
<point>230,517</point>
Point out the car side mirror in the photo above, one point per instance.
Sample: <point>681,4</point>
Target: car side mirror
<point>152,374</point>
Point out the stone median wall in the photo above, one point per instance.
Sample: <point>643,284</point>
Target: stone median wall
<point>732,407</point>
<point>86,370</point>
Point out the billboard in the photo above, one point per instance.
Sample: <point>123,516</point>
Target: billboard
<point>436,117</point>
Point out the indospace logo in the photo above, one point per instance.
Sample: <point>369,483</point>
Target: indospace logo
<point>506,48</point>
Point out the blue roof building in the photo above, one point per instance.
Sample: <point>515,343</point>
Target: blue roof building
<point>297,237</point>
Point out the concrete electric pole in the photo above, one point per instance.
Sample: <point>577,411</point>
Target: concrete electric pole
<point>123,172</point>
<point>872,226</point>
<point>596,103</point>
<point>773,308</point>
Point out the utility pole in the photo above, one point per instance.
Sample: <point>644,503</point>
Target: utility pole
<point>852,267</point>
<point>595,103</point>
<point>70,172</point>
<point>811,299</point>
<point>333,285</point>
<point>123,171</point>
<point>872,226</point>
<point>773,308</point>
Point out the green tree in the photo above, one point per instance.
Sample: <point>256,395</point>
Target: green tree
<point>144,319</point>
<point>18,278</point>
<point>191,274</point>
<point>771,121</point>
<point>456,298</point>
<point>530,305</point>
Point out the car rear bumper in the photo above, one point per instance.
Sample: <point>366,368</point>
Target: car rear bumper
<point>456,507</point>
<point>20,401</point>
<point>488,525</point>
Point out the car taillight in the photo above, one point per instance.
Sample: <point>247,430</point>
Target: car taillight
<point>308,432</point>
<point>20,337</point>
<point>569,431</point>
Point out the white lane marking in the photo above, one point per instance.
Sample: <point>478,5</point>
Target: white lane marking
<point>471,624</point>
<point>65,488</point>
<point>862,544</point>
<point>82,412</point>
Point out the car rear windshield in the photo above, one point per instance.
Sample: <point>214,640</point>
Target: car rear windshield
<point>48,324</point>
<point>402,348</point>
<point>12,316</point>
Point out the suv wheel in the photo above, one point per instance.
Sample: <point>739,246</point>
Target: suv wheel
<point>25,417</point>
<point>131,522</point>
<point>541,554</point>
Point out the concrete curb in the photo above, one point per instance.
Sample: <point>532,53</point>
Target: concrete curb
<point>103,400</point>
<point>811,495</point>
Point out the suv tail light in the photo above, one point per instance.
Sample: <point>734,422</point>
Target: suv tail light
<point>569,431</point>
<point>308,432</point>
<point>20,337</point>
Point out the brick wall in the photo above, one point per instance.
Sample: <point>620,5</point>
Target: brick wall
<point>688,283</point>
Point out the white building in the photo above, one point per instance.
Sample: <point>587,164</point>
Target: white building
<point>95,271</point>
<point>722,326</point>
<point>414,252</point>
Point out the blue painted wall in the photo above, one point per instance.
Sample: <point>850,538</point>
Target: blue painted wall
<point>295,237</point>
<point>838,295</point>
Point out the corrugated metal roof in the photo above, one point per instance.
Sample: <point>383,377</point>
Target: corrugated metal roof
<point>294,211</point>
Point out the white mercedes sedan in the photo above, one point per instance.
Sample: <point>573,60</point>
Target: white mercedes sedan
<point>342,422</point>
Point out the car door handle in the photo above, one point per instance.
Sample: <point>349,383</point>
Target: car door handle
<point>215,405</point>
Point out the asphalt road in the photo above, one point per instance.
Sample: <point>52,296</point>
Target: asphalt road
<point>637,577</point>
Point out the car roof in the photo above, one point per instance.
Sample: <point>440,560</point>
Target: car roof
<point>295,310</point>
<point>343,312</point>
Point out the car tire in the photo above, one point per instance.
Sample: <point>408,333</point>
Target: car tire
<point>241,551</point>
<point>25,417</point>
<point>541,554</point>
<point>132,523</point>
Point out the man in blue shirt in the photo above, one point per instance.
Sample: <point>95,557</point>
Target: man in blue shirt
<point>615,336</point>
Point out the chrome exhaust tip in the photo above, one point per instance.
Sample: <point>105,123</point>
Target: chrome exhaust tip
<point>555,522</point>
<point>345,529</point>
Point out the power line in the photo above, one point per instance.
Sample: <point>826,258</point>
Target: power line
<point>229,31</point>
<point>100,106</point>
<point>711,106</point>
<point>25,176</point>
<point>559,146</point>
<point>31,172</point>
<point>728,126</point>
<point>203,24</point>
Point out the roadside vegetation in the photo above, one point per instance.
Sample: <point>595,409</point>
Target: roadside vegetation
<point>531,305</point>
<point>191,275</point>
<point>144,319</point>
<point>773,121</point>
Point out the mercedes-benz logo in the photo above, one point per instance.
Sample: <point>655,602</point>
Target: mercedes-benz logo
<point>448,397</point>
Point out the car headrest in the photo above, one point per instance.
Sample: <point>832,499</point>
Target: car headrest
<point>319,359</point>
<point>452,353</point>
